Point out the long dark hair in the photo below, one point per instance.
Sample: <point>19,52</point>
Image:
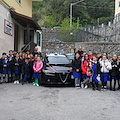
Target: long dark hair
<point>85,58</point>
<point>76,54</point>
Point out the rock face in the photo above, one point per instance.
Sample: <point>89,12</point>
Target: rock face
<point>96,47</point>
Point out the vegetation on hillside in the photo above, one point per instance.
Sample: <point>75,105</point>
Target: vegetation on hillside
<point>50,13</point>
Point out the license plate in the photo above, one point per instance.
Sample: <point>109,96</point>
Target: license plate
<point>63,73</point>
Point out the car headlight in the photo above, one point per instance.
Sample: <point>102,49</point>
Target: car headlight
<point>48,71</point>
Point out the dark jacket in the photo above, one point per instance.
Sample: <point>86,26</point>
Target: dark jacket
<point>14,61</point>
<point>26,68</point>
<point>115,70</point>
<point>119,68</point>
<point>31,61</point>
<point>80,53</point>
<point>38,53</point>
<point>10,58</point>
<point>76,64</point>
<point>0,66</point>
<point>2,63</point>
<point>99,58</point>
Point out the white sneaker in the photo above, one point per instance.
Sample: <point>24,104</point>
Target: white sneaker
<point>34,84</point>
<point>17,82</point>
<point>86,86</point>
<point>76,85</point>
<point>105,88</point>
<point>37,85</point>
<point>82,85</point>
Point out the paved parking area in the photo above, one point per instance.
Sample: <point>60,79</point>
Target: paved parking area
<point>28,102</point>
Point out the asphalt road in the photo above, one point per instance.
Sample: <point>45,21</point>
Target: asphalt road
<point>28,102</point>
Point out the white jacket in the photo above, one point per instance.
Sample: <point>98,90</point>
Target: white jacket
<point>103,68</point>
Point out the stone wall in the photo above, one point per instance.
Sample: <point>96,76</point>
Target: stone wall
<point>50,34</point>
<point>110,48</point>
<point>65,47</point>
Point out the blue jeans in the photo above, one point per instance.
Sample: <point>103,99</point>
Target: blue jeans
<point>26,76</point>
<point>77,82</point>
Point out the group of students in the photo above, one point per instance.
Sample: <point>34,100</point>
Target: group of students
<point>88,69</point>
<point>95,70</point>
<point>20,67</point>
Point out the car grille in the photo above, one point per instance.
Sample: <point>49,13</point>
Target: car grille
<point>63,77</point>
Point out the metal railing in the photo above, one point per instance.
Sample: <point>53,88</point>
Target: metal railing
<point>105,31</point>
<point>30,46</point>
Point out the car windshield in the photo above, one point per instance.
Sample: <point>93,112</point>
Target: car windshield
<point>70,57</point>
<point>58,60</point>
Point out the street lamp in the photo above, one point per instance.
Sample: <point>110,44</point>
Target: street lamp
<point>71,11</point>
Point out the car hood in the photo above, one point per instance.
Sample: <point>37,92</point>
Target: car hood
<point>59,69</point>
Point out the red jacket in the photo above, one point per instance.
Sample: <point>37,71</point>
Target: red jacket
<point>90,57</point>
<point>31,59</point>
<point>84,66</point>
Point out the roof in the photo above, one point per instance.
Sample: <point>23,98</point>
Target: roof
<point>23,20</point>
<point>52,54</point>
<point>70,54</point>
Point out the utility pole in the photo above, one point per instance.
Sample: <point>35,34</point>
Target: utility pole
<point>98,28</point>
<point>71,5</point>
<point>71,15</point>
<point>77,22</point>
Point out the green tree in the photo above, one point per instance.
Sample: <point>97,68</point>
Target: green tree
<point>50,13</point>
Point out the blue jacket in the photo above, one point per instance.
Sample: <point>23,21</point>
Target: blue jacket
<point>4,61</point>
<point>19,66</point>
<point>26,68</point>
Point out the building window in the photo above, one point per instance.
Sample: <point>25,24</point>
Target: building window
<point>119,3</point>
<point>19,1</point>
<point>31,36</point>
<point>38,38</point>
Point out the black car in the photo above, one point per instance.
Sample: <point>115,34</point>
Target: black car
<point>70,56</point>
<point>57,70</point>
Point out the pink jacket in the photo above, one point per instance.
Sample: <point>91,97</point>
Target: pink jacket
<point>38,66</point>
